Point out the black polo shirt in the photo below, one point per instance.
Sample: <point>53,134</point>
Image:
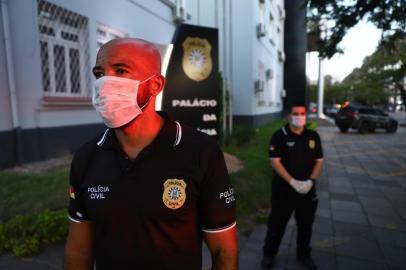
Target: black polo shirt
<point>297,153</point>
<point>151,213</point>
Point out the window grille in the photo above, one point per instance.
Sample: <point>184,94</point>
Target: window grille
<point>64,47</point>
<point>106,33</point>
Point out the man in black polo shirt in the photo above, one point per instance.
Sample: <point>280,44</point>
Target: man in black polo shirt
<point>144,194</point>
<point>296,156</point>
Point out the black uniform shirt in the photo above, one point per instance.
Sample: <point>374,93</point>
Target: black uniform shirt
<point>151,213</point>
<point>297,153</point>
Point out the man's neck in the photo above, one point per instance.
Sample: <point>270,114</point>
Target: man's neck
<point>137,135</point>
<point>296,130</point>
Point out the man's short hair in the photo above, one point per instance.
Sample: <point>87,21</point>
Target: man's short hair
<point>296,105</point>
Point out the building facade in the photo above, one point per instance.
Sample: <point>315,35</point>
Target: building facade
<point>47,49</point>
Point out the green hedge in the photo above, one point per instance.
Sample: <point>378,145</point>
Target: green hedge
<point>23,235</point>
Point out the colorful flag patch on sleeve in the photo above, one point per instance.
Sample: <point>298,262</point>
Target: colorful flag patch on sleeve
<point>71,192</point>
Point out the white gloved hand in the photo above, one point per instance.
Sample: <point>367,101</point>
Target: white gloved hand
<point>298,186</point>
<point>307,186</point>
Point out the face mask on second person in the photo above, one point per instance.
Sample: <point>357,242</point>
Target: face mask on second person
<point>298,120</point>
<point>115,98</point>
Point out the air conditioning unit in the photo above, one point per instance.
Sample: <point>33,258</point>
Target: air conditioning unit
<point>269,73</point>
<point>262,1</point>
<point>179,12</point>
<point>261,30</point>
<point>259,86</point>
<point>281,56</point>
<point>283,93</point>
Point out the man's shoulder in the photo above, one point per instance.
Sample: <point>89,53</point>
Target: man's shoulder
<point>312,133</point>
<point>196,139</point>
<point>280,132</point>
<point>89,147</point>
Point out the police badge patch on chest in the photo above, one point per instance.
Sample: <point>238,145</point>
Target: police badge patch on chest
<point>312,144</point>
<point>174,195</point>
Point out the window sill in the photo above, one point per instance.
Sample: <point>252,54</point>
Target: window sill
<point>65,103</point>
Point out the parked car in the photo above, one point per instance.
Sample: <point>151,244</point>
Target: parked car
<point>331,110</point>
<point>364,119</point>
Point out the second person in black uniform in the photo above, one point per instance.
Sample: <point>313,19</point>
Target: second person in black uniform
<point>295,154</point>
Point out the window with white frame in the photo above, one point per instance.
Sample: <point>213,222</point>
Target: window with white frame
<point>261,84</point>
<point>106,33</point>
<point>64,48</point>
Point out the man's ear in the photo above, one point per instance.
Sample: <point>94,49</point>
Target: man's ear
<point>157,83</point>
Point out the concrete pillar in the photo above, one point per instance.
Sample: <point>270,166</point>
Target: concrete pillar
<point>295,51</point>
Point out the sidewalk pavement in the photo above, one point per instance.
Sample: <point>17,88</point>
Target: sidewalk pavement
<point>361,218</point>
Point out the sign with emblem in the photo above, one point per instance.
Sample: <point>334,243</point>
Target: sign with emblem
<point>312,144</point>
<point>174,195</point>
<point>192,92</point>
<point>196,61</point>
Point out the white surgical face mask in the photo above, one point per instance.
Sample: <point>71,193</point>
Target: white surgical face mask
<point>115,98</point>
<point>298,120</point>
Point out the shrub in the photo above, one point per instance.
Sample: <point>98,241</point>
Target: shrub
<point>23,235</point>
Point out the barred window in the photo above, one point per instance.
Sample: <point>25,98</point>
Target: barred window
<point>106,33</point>
<point>64,52</point>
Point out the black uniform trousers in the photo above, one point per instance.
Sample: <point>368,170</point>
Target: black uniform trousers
<point>285,201</point>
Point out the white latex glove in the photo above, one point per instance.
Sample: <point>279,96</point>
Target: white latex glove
<point>298,186</point>
<point>307,186</point>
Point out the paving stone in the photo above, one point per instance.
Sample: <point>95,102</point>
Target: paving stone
<point>324,203</point>
<point>356,183</point>
<point>387,222</point>
<point>345,205</point>
<point>350,217</point>
<point>323,225</point>
<point>385,183</point>
<point>394,256</point>
<point>323,213</point>
<point>401,211</point>
<point>384,212</point>
<point>347,263</point>
<point>288,235</point>
<point>360,248</point>
<point>10,262</point>
<point>388,237</point>
<point>343,197</point>
<point>376,202</point>
<point>351,230</point>
<point>322,259</point>
<point>323,194</point>
<point>250,258</point>
<point>343,184</point>
<point>323,242</point>
<point>367,191</point>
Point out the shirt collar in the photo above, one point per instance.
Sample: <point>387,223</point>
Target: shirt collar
<point>286,130</point>
<point>169,136</point>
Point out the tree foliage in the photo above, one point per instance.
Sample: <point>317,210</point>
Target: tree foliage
<point>384,69</point>
<point>387,15</point>
<point>334,93</point>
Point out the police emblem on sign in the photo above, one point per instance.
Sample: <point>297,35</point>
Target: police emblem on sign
<point>174,195</point>
<point>312,144</point>
<point>196,61</point>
